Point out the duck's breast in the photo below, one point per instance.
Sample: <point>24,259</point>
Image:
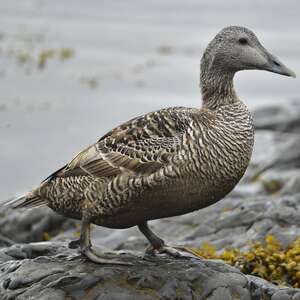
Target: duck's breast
<point>224,151</point>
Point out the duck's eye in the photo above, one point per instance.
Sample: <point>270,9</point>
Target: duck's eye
<point>243,41</point>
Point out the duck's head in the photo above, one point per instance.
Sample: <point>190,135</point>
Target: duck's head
<point>237,48</point>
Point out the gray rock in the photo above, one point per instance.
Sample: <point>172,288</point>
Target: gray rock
<point>31,225</point>
<point>282,117</point>
<point>73,277</point>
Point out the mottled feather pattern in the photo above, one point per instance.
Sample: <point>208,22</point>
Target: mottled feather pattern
<point>141,145</point>
<point>172,153</point>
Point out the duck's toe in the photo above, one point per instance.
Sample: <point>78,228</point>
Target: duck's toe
<point>176,252</point>
<point>100,258</point>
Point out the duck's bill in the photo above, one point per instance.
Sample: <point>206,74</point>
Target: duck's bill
<point>276,66</point>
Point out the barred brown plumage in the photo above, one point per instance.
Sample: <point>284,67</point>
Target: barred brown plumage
<point>168,162</point>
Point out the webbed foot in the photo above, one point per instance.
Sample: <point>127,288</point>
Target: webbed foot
<point>91,252</point>
<point>157,245</point>
<point>98,257</point>
<point>176,252</point>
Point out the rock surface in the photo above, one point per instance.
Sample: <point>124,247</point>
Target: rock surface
<point>52,271</point>
<point>267,201</point>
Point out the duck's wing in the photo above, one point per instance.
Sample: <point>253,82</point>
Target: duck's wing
<point>141,146</point>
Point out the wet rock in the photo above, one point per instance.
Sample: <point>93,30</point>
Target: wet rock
<point>73,277</point>
<point>271,291</point>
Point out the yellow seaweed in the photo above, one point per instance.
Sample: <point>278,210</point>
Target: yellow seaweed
<point>267,260</point>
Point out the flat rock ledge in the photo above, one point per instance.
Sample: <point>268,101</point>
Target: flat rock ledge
<point>52,271</point>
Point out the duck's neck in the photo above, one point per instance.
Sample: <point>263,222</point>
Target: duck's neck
<point>216,87</point>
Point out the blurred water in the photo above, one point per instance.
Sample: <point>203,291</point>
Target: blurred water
<point>130,57</point>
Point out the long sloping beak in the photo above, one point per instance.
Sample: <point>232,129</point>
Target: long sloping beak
<point>276,66</point>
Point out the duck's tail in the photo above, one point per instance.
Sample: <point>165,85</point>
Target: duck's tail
<point>29,200</point>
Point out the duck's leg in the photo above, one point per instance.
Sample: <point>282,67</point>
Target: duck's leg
<point>157,244</point>
<point>92,253</point>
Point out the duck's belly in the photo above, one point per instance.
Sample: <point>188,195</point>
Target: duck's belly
<point>175,199</point>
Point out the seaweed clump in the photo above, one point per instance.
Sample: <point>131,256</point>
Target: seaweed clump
<point>267,260</point>
<point>46,54</point>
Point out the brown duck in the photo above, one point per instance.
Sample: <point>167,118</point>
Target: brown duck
<point>168,162</point>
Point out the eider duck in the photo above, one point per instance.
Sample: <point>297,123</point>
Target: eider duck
<point>168,162</point>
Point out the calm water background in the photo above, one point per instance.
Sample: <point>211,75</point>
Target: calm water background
<point>122,58</point>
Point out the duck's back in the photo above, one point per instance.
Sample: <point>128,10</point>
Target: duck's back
<point>101,177</point>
